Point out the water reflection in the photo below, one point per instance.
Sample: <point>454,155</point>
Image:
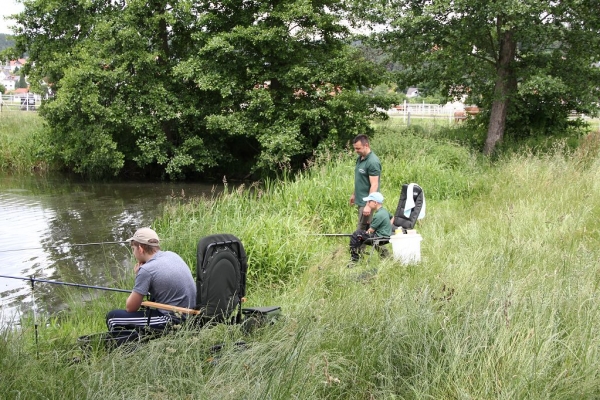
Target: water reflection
<point>42,218</point>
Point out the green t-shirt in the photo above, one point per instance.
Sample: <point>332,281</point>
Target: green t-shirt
<point>381,223</point>
<point>370,166</point>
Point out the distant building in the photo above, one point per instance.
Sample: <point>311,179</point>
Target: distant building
<point>14,64</point>
<point>21,92</point>
<point>7,77</point>
<point>9,82</point>
<point>412,92</point>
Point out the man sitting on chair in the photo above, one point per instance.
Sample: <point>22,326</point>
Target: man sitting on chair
<point>164,275</point>
<point>381,226</point>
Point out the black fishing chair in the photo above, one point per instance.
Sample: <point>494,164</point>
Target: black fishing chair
<point>407,218</point>
<point>221,268</point>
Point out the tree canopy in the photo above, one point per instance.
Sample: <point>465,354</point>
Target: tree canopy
<point>185,89</point>
<point>527,63</point>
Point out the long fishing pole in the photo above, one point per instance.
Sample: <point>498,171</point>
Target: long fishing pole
<point>66,244</point>
<point>331,234</point>
<point>66,283</point>
<point>367,239</point>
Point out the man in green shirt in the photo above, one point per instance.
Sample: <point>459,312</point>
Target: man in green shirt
<point>381,226</point>
<point>367,173</point>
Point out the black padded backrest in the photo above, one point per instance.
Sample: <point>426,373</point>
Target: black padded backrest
<point>221,267</point>
<point>402,221</point>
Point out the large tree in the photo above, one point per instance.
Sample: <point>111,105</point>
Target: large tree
<point>182,88</point>
<point>528,63</point>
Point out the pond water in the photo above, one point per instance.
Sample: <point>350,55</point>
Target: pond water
<point>56,228</point>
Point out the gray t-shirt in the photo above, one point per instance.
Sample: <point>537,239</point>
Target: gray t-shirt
<point>168,279</point>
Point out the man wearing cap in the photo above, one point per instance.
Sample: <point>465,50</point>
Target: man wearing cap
<point>162,274</point>
<point>366,179</point>
<point>381,226</point>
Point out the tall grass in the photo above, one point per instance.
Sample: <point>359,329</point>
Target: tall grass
<point>503,305</point>
<point>21,141</point>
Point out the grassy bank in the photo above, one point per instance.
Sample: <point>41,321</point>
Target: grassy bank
<point>21,142</point>
<point>503,305</point>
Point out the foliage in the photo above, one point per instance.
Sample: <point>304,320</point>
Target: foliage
<point>427,99</point>
<point>526,64</point>
<point>187,89</point>
<point>21,84</point>
<point>539,108</point>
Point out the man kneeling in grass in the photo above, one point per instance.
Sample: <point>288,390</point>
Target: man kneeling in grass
<point>381,226</point>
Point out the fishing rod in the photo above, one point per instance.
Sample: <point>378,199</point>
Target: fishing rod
<point>331,234</point>
<point>67,244</point>
<point>367,239</point>
<point>32,279</point>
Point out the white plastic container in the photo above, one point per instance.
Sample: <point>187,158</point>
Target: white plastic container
<point>406,247</point>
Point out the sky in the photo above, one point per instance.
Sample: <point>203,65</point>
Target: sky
<point>8,7</point>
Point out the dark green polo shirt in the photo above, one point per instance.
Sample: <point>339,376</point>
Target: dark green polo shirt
<point>381,223</point>
<point>370,166</point>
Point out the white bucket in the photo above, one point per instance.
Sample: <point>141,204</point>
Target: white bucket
<point>407,247</point>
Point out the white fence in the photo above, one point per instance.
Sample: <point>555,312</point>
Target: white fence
<point>20,102</point>
<point>452,112</point>
<point>422,109</point>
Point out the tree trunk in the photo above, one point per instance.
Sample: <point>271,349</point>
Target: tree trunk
<point>503,91</point>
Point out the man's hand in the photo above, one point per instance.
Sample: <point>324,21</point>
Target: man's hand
<point>136,267</point>
<point>352,199</point>
<point>366,210</point>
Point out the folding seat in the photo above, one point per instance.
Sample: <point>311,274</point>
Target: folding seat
<point>411,207</point>
<point>221,268</point>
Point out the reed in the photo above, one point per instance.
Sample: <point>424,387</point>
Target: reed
<point>503,304</point>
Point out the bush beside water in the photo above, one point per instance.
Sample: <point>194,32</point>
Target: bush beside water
<point>503,305</point>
